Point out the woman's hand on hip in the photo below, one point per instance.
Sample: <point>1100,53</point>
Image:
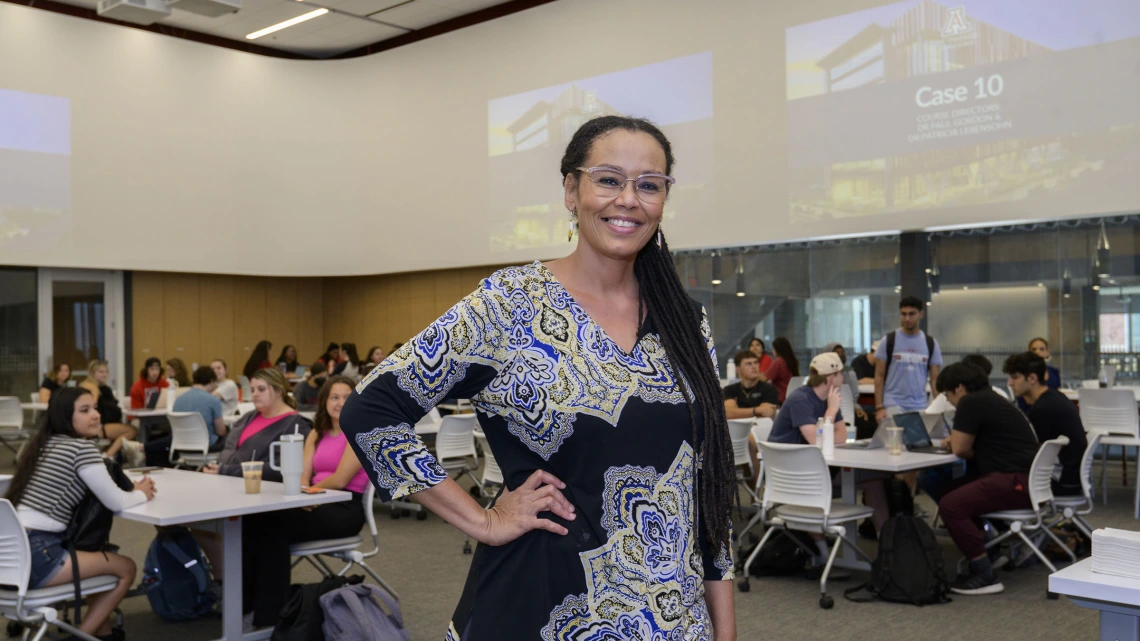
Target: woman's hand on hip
<point>516,513</point>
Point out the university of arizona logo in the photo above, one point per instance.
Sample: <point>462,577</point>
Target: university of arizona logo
<point>956,23</point>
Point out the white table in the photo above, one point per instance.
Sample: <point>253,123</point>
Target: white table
<point>35,407</point>
<point>1117,598</point>
<point>880,461</point>
<point>146,413</point>
<point>193,497</point>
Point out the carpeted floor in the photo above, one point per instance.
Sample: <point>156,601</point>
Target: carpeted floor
<point>423,560</point>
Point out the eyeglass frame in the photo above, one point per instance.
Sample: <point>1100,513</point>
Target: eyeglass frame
<point>669,180</point>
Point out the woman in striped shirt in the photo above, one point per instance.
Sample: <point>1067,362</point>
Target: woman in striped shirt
<point>54,474</point>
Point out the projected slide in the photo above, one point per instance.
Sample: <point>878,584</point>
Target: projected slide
<point>528,133</point>
<point>918,105</point>
<point>35,168</point>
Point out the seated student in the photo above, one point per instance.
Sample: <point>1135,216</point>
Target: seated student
<point>55,381</point>
<point>149,384</point>
<point>757,347</point>
<point>224,388</point>
<point>287,362</point>
<point>864,366</point>
<point>992,433</point>
<point>819,398</point>
<point>1052,415</point>
<point>258,359</point>
<point>350,361</point>
<point>329,463</point>
<point>113,427</point>
<point>375,357</point>
<point>55,471</point>
<point>196,399</point>
<point>306,392</point>
<point>177,373</point>
<point>784,367</point>
<point>750,398</point>
<point>1040,346</point>
<point>330,358</point>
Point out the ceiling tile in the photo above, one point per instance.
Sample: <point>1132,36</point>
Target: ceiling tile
<point>338,39</point>
<point>237,29</point>
<point>415,15</point>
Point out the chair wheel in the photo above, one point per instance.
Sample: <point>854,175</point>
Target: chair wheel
<point>467,548</point>
<point>15,628</point>
<point>1053,596</point>
<point>826,602</point>
<point>743,586</point>
<point>421,515</point>
<point>474,491</point>
<point>395,515</point>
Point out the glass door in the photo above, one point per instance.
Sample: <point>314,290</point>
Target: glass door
<point>80,320</point>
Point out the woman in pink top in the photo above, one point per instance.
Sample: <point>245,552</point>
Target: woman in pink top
<point>330,464</point>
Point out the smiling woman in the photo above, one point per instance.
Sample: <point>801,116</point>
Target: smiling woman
<point>594,380</point>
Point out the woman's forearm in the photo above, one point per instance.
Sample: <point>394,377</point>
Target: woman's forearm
<point>449,501</point>
<point>719,599</point>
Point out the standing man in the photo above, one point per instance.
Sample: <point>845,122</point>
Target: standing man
<point>906,359</point>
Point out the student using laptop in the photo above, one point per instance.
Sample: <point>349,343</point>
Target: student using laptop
<point>1052,415</point>
<point>819,398</point>
<point>146,389</point>
<point>992,433</point>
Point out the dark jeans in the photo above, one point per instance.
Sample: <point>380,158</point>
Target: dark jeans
<point>158,450</point>
<point>937,481</point>
<point>968,500</point>
<point>265,550</point>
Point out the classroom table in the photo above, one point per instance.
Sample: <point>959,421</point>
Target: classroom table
<point>34,407</point>
<point>877,460</point>
<point>1117,598</point>
<point>186,498</point>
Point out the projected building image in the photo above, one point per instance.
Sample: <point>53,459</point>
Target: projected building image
<point>35,168</point>
<point>528,132</point>
<point>919,104</point>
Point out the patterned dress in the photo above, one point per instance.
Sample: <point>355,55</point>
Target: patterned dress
<point>553,392</point>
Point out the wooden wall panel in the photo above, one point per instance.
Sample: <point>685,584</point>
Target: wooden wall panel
<point>282,308</point>
<point>216,319</point>
<point>249,320</point>
<point>147,320</point>
<point>310,309</point>
<point>181,305</point>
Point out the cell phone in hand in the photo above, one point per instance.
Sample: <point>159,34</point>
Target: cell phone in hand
<point>312,490</point>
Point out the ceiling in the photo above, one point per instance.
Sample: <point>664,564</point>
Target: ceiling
<point>349,25</point>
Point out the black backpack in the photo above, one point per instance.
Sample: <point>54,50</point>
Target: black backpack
<point>899,498</point>
<point>781,555</point>
<point>909,566</point>
<point>90,526</point>
<point>302,616</point>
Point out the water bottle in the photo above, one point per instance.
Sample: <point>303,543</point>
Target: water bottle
<point>730,370</point>
<point>288,456</point>
<point>819,434</point>
<point>1102,378</point>
<point>828,438</point>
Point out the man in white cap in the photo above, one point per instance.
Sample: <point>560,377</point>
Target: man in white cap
<point>818,398</point>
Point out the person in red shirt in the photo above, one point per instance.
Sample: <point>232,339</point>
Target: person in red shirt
<point>150,378</point>
<point>783,367</point>
<point>756,346</point>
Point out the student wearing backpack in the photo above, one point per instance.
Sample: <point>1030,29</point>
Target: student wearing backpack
<point>905,360</point>
<point>54,474</point>
<point>993,434</point>
<point>328,463</point>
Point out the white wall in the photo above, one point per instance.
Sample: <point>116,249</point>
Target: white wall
<point>187,157</point>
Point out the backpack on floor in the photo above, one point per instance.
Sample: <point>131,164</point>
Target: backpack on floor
<point>909,567</point>
<point>302,617</point>
<point>781,556</point>
<point>175,577</point>
<point>362,612</point>
<point>899,498</point>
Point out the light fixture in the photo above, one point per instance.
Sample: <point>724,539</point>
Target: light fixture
<point>1103,255</point>
<point>1040,284</point>
<point>739,276</point>
<point>965,287</point>
<point>716,269</point>
<point>929,303</point>
<point>1094,280</point>
<point>1066,284</point>
<point>840,293</point>
<point>288,23</point>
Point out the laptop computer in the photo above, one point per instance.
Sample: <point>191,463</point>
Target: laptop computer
<point>152,395</point>
<point>917,435</point>
<point>877,440</point>
<point>300,372</point>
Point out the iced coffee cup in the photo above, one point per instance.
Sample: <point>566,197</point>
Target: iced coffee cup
<point>251,471</point>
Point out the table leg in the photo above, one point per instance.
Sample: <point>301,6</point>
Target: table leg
<point>231,607</point>
<point>1115,626</point>
<point>847,557</point>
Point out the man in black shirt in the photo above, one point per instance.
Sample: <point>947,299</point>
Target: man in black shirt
<point>999,439</point>
<point>864,366</point>
<point>1051,414</point>
<point>751,397</point>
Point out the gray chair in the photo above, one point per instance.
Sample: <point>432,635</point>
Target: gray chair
<point>12,424</point>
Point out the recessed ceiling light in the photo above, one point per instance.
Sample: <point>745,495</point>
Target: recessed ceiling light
<point>288,23</point>
<point>965,287</point>
<point>1040,284</point>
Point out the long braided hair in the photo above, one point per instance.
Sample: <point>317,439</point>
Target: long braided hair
<point>678,325</point>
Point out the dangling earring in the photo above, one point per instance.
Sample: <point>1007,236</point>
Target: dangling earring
<point>659,237</point>
<point>573,225</point>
